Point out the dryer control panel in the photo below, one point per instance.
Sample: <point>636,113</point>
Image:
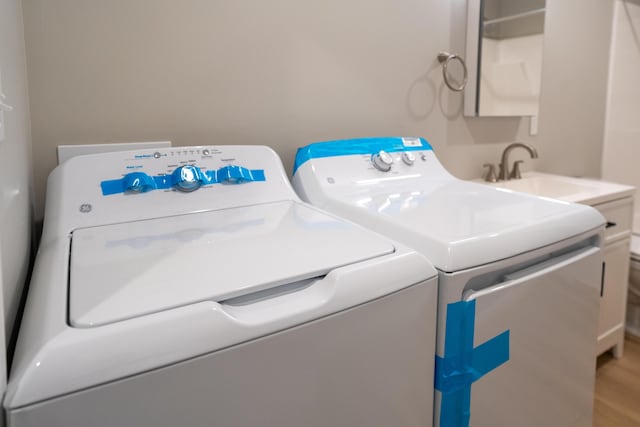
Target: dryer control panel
<point>369,161</point>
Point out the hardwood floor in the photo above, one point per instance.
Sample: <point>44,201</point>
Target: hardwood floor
<point>617,397</point>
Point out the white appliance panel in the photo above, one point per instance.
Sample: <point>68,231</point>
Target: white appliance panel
<point>364,366</point>
<point>138,266</point>
<point>49,347</point>
<point>75,199</point>
<point>456,224</point>
<point>127,270</point>
<point>551,312</point>
<point>519,282</point>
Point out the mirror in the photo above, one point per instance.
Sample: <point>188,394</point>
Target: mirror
<point>504,57</point>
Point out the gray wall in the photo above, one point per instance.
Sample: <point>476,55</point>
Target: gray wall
<point>15,165</point>
<point>286,73</point>
<point>574,86</point>
<point>622,137</point>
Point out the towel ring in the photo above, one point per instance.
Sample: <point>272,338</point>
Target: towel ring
<point>445,58</point>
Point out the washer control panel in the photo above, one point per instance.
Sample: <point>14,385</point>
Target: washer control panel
<point>184,170</point>
<point>121,186</point>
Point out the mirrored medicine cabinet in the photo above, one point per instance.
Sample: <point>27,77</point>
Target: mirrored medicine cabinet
<point>504,57</point>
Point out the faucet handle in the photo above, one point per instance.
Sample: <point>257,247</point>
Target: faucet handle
<point>491,173</point>
<point>515,172</point>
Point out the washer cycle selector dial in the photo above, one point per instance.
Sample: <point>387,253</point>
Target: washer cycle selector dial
<point>408,157</point>
<point>382,161</point>
<point>187,178</point>
<point>138,182</point>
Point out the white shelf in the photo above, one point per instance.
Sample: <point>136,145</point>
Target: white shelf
<point>514,17</point>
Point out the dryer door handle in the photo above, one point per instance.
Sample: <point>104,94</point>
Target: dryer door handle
<point>523,276</point>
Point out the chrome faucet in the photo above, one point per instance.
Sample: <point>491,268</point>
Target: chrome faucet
<point>504,174</point>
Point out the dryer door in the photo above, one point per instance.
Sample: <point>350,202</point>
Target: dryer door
<point>530,349</point>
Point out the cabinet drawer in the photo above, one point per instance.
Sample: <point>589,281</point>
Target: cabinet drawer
<point>619,215</point>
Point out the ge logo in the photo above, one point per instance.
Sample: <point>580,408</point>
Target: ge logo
<point>85,208</point>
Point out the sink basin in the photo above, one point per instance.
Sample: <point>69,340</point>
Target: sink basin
<point>545,186</point>
<point>580,190</point>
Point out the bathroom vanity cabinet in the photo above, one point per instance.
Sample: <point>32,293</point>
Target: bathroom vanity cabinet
<point>613,303</point>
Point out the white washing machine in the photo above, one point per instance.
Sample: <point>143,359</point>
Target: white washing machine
<point>153,304</point>
<point>519,277</point>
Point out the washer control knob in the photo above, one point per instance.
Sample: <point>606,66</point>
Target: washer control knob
<point>382,161</point>
<point>408,157</point>
<point>187,178</point>
<point>138,182</point>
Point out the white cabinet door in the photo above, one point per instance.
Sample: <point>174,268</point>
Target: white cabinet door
<point>614,293</point>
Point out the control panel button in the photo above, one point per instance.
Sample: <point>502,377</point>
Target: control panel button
<point>187,178</point>
<point>408,157</point>
<point>232,174</point>
<point>205,152</point>
<point>382,161</point>
<point>157,155</point>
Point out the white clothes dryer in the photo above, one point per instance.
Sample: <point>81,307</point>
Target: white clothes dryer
<point>153,304</point>
<point>519,277</point>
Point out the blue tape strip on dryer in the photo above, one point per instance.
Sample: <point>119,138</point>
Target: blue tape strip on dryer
<point>140,182</point>
<point>347,147</point>
<point>463,364</point>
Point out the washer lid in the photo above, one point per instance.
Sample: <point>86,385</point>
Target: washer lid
<point>131,269</point>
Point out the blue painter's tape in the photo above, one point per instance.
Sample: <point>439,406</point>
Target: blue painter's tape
<point>237,174</point>
<point>141,182</point>
<point>455,409</point>
<point>490,354</point>
<point>163,181</point>
<point>113,186</point>
<point>463,364</point>
<point>188,173</point>
<point>348,147</point>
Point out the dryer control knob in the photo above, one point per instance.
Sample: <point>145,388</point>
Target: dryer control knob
<point>382,161</point>
<point>187,178</point>
<point>408,157</point>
